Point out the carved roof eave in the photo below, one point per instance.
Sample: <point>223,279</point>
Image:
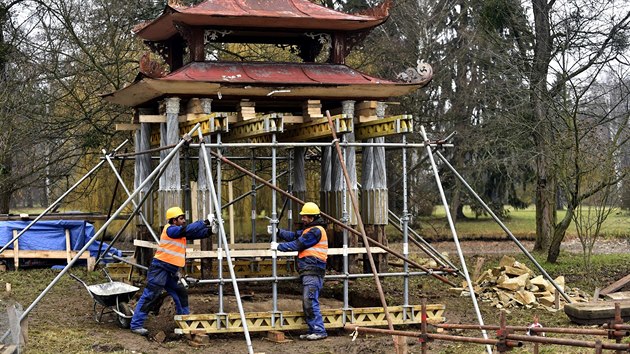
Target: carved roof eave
<point>164,21</point>
<point>163,27</point>
<point>148,89</point>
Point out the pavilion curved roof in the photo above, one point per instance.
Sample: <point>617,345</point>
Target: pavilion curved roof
<point>247,79</point>
<point>263,14</point>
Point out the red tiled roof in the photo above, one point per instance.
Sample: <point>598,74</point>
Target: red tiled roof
<point>273,73</point>
<point>246,79</point>
<point>268,14</point>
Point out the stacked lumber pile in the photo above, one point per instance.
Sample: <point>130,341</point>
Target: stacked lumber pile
<point>312,109</point>
<point>513,284</point>
<point>246,110</point>
<point>366,111</point>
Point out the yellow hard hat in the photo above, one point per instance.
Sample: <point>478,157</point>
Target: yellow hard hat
<point>173,212</point>
<point>310,208</point>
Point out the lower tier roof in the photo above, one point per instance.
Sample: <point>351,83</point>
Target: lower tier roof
<point>246,79</point>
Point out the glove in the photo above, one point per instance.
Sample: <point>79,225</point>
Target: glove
<point>270,231</point>
<point>274,246</point>
<point>212,224</point>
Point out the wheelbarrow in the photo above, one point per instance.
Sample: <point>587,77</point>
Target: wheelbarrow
<point>112,297</point>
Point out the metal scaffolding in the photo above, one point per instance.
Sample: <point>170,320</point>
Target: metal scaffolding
<point>213,153</point>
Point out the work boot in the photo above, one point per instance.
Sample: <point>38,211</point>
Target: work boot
<point>315,336</point>
<point>141,331</point>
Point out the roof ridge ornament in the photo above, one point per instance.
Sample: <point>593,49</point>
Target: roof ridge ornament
<point>151,68</point>
<point>422,74</point>
<point>176,3</point>
<point>380,10</point>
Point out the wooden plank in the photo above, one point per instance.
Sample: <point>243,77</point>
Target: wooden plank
<point>16,250</point>
<point>366,105</point>
<point>152,118</point>
<point>269,253</point>
<point>289,119</point>
<point>622,295</point>
<point>91,261</point>
<point>127,126</point>
<point>43,254</point>
<point>255,250</point>
<point>616,285</point>
<point>145,244</point>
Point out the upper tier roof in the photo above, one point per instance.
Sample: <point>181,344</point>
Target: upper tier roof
<point>244,79</point>
<point>276,15</point>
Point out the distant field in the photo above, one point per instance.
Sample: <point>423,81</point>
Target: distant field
<point>522,223</point>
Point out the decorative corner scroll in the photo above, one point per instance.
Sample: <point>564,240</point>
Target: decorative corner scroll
<point>422,74</point>
<point>151,68</point>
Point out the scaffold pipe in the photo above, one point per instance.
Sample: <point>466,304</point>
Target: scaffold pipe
<point>333,220</point>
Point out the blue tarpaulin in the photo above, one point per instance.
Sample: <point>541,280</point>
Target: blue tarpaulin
<point>51,235</point>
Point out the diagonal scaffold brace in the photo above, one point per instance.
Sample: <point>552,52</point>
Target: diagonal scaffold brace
<point>167,160</point>
<point>451,224</point>
<point>355,206</point>
<point>53,204</point>
<point>333,220</point>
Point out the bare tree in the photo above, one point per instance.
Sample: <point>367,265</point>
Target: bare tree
<point>573,40</point>
<point>63,55</point>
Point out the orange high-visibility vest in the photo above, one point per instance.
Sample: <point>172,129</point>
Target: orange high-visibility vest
<point>319,250</point>
<point>171,250</point>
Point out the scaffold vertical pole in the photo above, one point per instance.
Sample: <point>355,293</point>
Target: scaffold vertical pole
<point>220,243</point>
<point>405,220</point>
<point>345,219</point>
<point>253,194</point>
<point>215,199</point>
<point>355,206</point>
<point>274,238</point>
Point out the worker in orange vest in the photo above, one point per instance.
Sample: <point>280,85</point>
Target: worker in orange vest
<point>163,274</point>
<point>311,243</point>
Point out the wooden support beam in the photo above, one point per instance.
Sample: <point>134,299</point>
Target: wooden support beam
<point>126,127</point>
<point>242,253</point>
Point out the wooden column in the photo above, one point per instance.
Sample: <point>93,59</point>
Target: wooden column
<point>204,205</point>
<point>299,182</point>
<point>142,170</point>
<point>336,195</point>
<point>170,193</point>
<point>374,202</point>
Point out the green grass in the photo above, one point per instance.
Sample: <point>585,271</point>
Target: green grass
<point>521,222</point>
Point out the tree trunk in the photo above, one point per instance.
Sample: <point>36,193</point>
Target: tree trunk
<point>546,182</point>
<point>545,207</point>
<point>6,187</point>
<point>558,235</point>
<point>5,201</point>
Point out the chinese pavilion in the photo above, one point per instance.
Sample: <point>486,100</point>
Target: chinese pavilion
<point>252,102</point>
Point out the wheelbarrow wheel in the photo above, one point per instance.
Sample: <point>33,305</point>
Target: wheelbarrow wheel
<point>121,321</point>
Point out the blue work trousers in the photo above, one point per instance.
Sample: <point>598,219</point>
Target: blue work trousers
<point>311,287</point>
<point>159,279</point>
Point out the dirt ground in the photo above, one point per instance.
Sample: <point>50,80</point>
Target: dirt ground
<point>63,321</point>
